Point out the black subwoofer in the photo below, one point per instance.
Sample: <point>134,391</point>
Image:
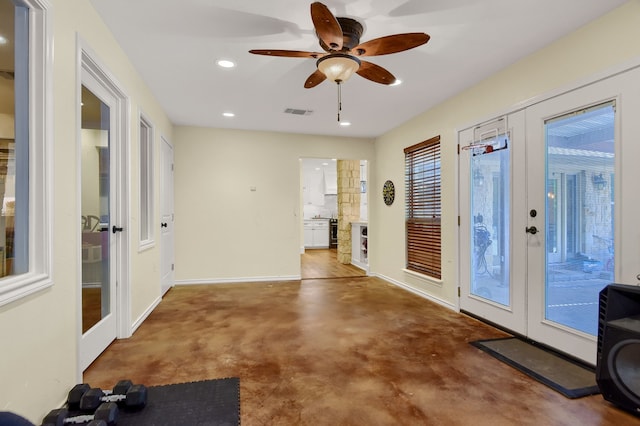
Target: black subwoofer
<point>618,362</point>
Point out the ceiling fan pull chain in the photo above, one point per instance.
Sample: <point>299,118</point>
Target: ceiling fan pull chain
<point>339,99</point>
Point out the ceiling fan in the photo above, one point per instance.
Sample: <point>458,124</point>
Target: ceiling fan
<point>340,39</point>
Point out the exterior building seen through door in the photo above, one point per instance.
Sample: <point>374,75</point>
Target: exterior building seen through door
<point>579,239</point>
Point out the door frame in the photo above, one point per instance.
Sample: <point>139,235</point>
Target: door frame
<point>87,62</point>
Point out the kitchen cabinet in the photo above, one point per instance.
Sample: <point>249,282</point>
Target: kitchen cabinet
<point>316,233</point>
<point>360,245</point>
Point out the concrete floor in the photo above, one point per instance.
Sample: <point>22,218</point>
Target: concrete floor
<point>350,351</point>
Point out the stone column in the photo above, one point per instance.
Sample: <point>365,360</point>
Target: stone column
<point>348,205</point>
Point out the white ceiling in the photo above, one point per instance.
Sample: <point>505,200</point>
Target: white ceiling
<point>174,45</point>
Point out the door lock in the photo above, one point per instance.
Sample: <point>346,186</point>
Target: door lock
<point>163,225</point>
<point>532,230</point>
<point>115,229</point>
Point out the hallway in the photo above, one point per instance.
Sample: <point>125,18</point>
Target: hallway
<point>323,263</point>
<point>353,351</point>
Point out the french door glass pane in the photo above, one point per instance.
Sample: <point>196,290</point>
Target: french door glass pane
<point>95,210</point>
<point>579,215</point>
<point>490,189</point>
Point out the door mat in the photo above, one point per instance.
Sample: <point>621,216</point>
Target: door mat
<point>209,402</point>
<point>560,373</point>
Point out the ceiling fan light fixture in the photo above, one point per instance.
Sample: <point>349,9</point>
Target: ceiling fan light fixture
<point>338,67</point>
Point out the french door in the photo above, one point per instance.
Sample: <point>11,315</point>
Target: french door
<point>548,213</point>
<point>105,311</point>
<point>98,289</point>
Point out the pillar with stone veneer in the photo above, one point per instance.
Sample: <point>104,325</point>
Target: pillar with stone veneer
<point>348,205</point>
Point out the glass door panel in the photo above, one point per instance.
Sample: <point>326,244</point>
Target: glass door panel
<point>579,215</point>
<point>490,183</point>
<point>96,303</point>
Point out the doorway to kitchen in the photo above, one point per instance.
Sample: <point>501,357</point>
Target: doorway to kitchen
<point>326,225</point>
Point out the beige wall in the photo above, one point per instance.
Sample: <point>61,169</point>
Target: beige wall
<point>606,42</point>
<point>223,230</point>
<point>40,332</point>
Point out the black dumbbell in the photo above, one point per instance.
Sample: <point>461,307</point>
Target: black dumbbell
<point>75,394</point>
<point>105,414</point>
<point>124,392</point>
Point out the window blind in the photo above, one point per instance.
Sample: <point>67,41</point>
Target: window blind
<point>423,207</point>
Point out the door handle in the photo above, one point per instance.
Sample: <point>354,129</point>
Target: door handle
<point>163,225</point>
<point>115,229</point>
<point>533,230</point>
<point>104,229</point>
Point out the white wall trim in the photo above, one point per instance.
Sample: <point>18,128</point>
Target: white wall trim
<point>40,152</point>
<point>238,280</point>
<point>149,242</point>
<point>138,322</point>
<point>418,292</point>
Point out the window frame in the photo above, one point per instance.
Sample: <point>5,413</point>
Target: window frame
<point>146,192</point>
<point>40,142</point>
<point>423,210</point>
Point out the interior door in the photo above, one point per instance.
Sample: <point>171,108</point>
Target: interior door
<point>166,223</point>
<point>492,205</point>
<point>99,322</point>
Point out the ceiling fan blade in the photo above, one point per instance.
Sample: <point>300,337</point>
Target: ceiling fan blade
<point>327,26</point>
<point>375,73</point>
<point>314,79</point>
<point>390,44</point>
<point>287,53</point>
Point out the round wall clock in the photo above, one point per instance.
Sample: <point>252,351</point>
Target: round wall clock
<point>388,192</point>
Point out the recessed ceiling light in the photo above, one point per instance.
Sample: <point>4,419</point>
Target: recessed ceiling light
<point>325,164</point>
<point>398,82</point>
<point>225,63</point>
<point>345,123</point>
<point>228,114</point>
<point>3,40</point>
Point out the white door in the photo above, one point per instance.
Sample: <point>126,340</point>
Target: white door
<point>586,195</point>
<point>572,219</point>
<point>98,201</point>
<point>492,203</point>
<point>167,216</point>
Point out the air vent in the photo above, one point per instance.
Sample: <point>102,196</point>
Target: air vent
<point>295,111</point>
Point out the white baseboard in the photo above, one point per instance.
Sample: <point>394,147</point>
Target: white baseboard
<point>418,292</point>
<point>145,314</point>
<point>238,280</point>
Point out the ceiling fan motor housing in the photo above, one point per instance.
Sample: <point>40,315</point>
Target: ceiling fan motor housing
<point>351,33</point>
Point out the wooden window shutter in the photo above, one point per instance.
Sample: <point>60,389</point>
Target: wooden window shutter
<point>423,207</point>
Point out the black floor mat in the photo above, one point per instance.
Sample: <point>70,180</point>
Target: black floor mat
<point>560,373</point>
<point>210,402</point>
